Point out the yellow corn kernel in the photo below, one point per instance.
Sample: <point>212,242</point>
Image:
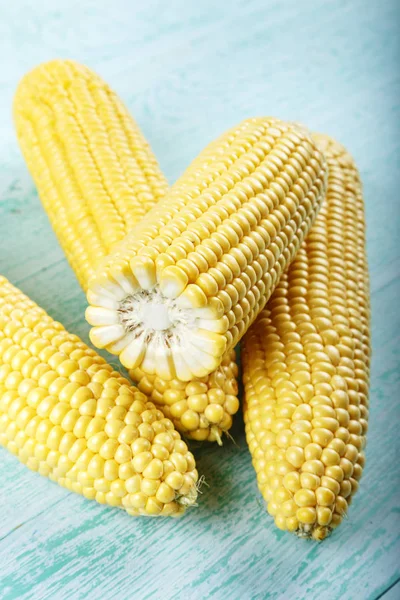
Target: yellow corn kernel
<point>105,459</point>
<point>301,376</point>
<point>93,198</point>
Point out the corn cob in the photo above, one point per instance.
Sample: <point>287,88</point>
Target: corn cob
<point>306,366</point>
<point>95,172</point>
<point>66,414</point>
<point>184,286</point>
<point>97,177</point>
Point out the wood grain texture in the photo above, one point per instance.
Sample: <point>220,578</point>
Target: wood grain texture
<point>188,70</point>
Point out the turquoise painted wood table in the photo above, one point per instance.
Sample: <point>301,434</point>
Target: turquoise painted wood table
<point>189,70</point>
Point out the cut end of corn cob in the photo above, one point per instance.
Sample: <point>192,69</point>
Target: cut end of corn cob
<point>201,409</point>
<point>156,326</point>
<point>184,286</point>
<point>306,367</point>
<point>66,414</point>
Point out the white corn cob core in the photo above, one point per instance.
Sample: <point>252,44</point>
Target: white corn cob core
<point>165,334</point>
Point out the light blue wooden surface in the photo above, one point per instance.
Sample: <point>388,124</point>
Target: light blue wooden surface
<point>188,71</point>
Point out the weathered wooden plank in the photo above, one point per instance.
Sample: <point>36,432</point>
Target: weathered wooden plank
<point>393,593</point>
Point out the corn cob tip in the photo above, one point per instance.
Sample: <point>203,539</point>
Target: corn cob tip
<point>201,409</point>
